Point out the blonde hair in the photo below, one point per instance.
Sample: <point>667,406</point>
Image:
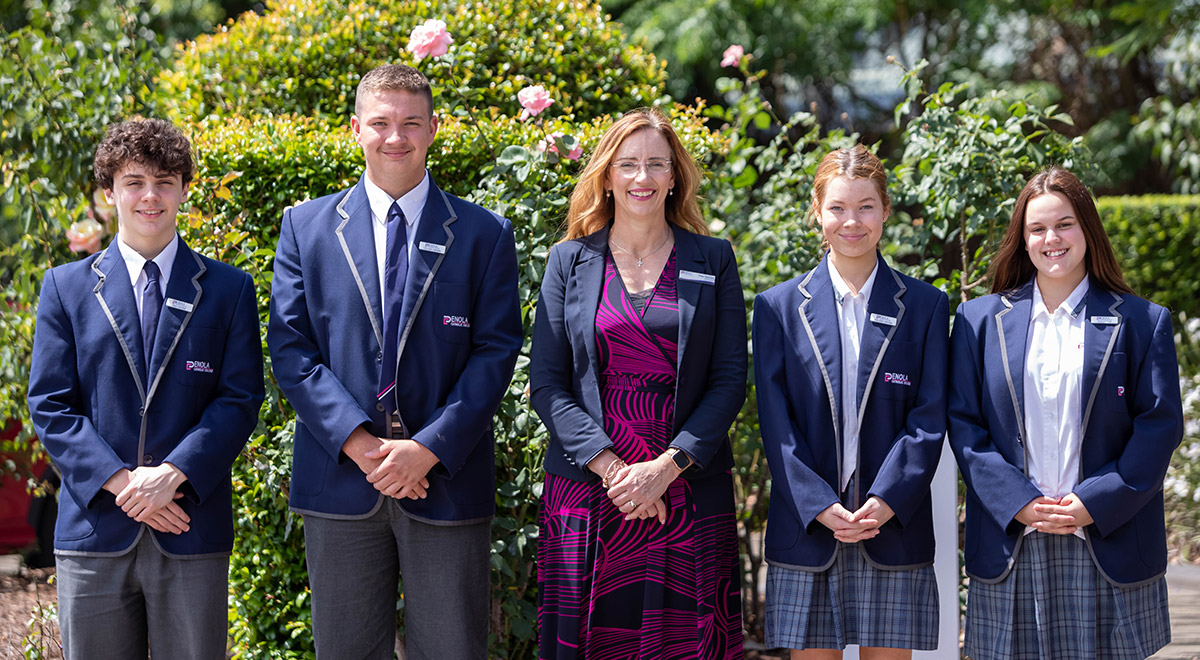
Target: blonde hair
<point>853,163</point>
<point>591,207</point>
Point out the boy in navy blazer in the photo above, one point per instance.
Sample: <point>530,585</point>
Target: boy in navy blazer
<point>145,384</point>
<point>394,330</point>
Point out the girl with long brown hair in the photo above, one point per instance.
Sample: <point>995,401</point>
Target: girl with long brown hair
<point>1064,412</point>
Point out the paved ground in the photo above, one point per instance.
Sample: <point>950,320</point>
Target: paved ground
<point>1183,587</point>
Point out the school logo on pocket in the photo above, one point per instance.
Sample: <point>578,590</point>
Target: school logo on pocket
<point>198,366</point>
<point>1120,390</point>
<point>896,378</point>
<point>456,321</point>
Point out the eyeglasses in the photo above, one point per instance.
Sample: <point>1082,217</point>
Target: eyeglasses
<point>654,167</point>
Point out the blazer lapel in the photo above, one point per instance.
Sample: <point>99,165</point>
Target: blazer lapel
<point>1100,331</point>
<point>356,237</point>
<point>114,292</point>
<point>818,315</point>
<point>183,296</point>
<point>687,257</point>
<point>1012,326</point>
<point>885,310</point>
<point>584,288</point>
<point>430,248</point>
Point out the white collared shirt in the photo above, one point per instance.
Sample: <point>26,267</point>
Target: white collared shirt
<point>136,265</point>
<point>412,203</point>
<point>1053,383</point>
<point>852,316</point>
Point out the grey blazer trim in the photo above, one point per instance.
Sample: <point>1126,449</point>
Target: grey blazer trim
<point>340,516</point>
<point>96,291</point>
<point>887,340</point>
<point>812,339</point>
<point>147,396</point>
<point>1112,341</point>
<point>362,289</point>
<point>412,313</point>
<point>1018,405</point>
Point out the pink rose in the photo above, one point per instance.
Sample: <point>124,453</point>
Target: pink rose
<point>429,40</point>
<point>733,55</point>
<point>84,236</point>
<point>534,100</point>
<point>548,144</point>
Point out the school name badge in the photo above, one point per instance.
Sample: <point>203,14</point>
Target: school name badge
<point>896,378</point>
<point>456,321</point>
<point>198,366</point>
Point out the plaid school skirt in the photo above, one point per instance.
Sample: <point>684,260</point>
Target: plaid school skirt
<point>1056,604</point>
<point>851,602</point>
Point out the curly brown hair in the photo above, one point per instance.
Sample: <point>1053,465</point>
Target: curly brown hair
<point>155,143</point>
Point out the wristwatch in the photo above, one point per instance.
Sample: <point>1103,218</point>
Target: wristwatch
<point>680,458</point>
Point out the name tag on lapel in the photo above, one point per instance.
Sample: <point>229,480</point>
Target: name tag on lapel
<point>185,307</point>
<point>880,318</point>
<point>432,247</point>
<point>1106,320</point>
<point>693,276</point>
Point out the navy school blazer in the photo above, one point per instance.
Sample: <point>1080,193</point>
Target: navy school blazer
<point>460,335</point>
<point>564,370</point>
<point>1132,421</point>
<point>901,409</point>
<point>96,410</point>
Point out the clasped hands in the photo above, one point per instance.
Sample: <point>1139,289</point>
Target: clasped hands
<point>860,525</point>
<point>148,493</point>
<point>636,490</point>
<point>1055,515</point>
<point>396,468</point>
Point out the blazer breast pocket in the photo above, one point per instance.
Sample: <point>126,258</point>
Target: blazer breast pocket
<point>899,373</point>
<point>452,312</point>
<point>197,359</point>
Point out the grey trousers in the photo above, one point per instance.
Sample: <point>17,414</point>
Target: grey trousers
<point>353,568</point>
<point>120,607</point>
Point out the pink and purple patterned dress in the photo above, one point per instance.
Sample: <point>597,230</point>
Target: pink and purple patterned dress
<point>614,589</point>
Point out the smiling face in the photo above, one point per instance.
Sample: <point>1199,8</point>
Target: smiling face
<point>851,217</point>
<point>641,194</point>
<point>147,202</point>
<point>394,129</point>
<point>1054,239</point>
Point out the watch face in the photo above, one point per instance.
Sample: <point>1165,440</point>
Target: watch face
<point>680,459</point>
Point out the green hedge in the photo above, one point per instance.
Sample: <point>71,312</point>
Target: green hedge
<point>1157,240</point>
<point>306,57</point>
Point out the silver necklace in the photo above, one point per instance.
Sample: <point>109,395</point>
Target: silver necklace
<point>644,256</point>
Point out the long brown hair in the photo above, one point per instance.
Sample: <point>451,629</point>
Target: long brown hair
<point>1011,267</point>
<point>592,208</point>
<point>857,162</point>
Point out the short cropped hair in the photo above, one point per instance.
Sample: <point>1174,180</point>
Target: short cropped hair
<point>393,78</point>
<point>154,143</point>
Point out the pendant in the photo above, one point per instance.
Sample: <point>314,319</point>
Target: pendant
<point>639,263</point>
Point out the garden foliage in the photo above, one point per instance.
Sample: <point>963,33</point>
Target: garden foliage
<point>306,56</point>
<point>1157,240</point>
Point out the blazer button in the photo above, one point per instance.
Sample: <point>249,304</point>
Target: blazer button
<point>379,407</point>
<point>142,411</point>
<point>147,458</point>
<point>379,356</point>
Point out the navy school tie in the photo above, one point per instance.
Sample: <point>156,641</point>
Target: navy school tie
<point>152,301</point>
<point>395,272</point>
